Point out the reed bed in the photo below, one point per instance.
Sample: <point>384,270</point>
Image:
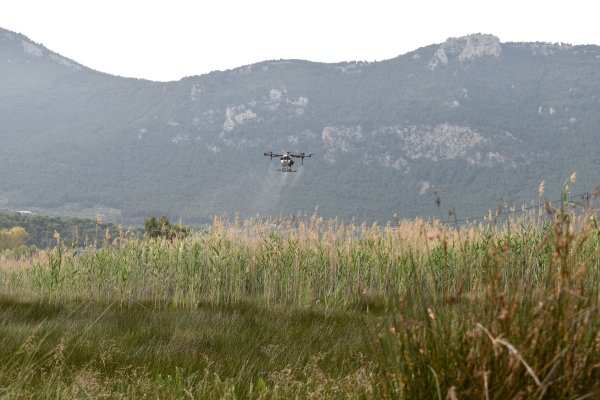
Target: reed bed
<point>497,309</point>
<point>521,322</point>
<point>283,260</point>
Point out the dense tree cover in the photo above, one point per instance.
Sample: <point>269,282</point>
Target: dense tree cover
<point>40,231</point>
<point>163,228</point>
<point>76,141</point>
<point>13,238</point>
<point>12,242</point>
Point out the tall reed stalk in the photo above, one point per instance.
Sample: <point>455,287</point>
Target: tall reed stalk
<point>521,322</point>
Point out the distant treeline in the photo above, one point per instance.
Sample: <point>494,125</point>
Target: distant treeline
<point>41,229</point>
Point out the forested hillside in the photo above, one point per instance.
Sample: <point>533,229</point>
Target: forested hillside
<point>474,119</point>
<point>42,230</point>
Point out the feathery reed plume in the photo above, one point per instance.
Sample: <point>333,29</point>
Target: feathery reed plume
<point>57,237</point>
<point>573,177</point>
<point>542,187</point>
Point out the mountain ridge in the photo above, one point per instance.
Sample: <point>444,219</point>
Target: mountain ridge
<point>485,112</point>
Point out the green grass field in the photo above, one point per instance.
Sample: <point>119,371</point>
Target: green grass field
<point>286,308</point>
<point>244,350</point>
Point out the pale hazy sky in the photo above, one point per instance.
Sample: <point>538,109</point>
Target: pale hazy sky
<point>168,40</point>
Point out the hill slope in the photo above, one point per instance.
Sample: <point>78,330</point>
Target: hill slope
<point>475,119</point>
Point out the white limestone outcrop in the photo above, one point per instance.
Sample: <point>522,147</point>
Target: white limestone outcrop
<point>467,47</point>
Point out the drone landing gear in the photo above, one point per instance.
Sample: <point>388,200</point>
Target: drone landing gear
<point>286,168</point>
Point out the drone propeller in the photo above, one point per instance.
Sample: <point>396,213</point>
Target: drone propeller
<point>270,154</point>
<point>303,155</point>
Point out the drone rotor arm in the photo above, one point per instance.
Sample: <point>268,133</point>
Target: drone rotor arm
<point>302,156</point>
<point>270,154</point>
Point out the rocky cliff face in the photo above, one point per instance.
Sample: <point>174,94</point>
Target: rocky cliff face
<point>398,146</point>
<point>276,103</point>
<point>466,47</point>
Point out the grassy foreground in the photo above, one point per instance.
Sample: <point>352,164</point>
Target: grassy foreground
<point>149,351</point>
<point>279,309</point>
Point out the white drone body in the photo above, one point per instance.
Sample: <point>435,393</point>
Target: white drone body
<point>286,160</point>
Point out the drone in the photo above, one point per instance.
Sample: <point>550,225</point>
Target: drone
<point>286,160</point>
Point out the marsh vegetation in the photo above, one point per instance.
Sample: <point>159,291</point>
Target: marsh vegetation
<point>312,308</point>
